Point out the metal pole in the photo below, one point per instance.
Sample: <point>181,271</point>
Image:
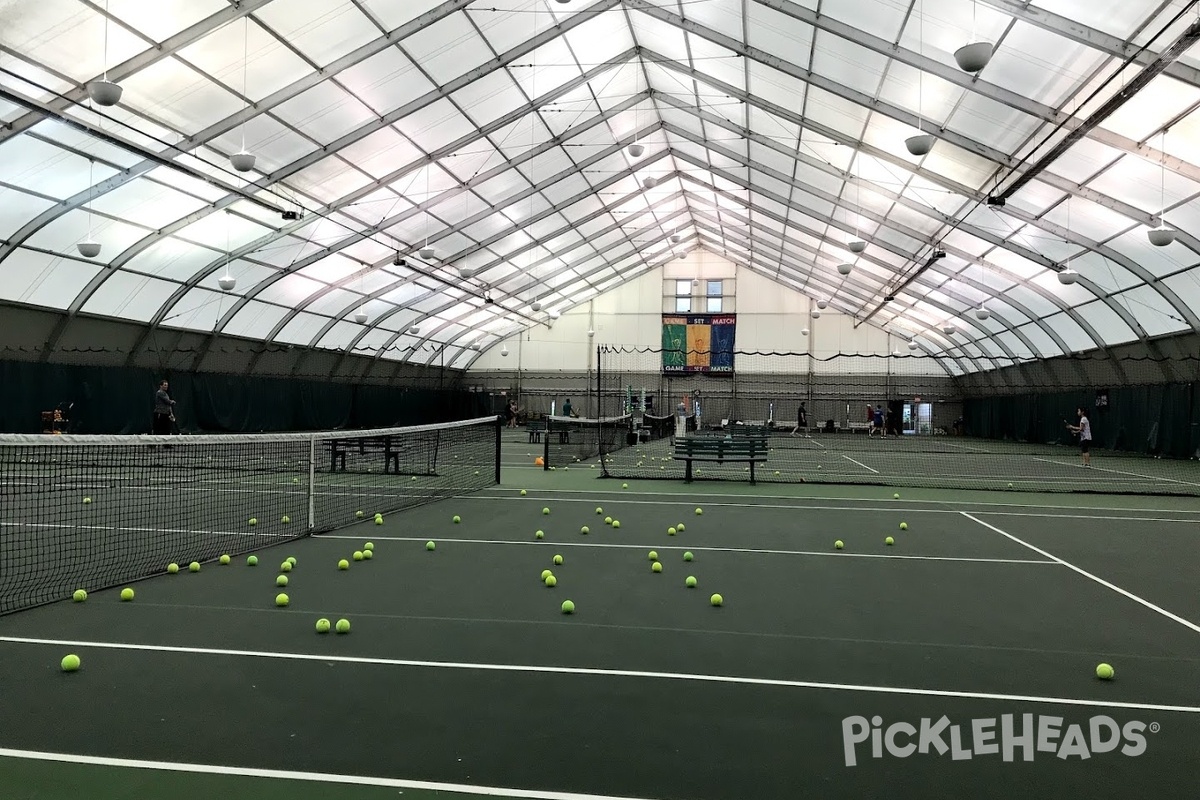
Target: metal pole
<point>312,489</point>
<point>499,437</point>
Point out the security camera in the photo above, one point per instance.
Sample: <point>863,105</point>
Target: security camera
<point>399,262</point>
<point>939,253</point>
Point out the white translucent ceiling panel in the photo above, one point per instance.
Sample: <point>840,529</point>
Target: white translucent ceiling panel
<point>222,54</point>
<point>1156,104</point>
<point>178,96</point>
<point>302,328</point>
<point>150,203</point>
<point>255,320</point>
<point>1037,63</point>
<point>1152,311</point>
<point>129,296</point>
<point>489,98</point>
<point>448,48</point>
<point>66,37</point>
<point>381,153</point>
<point>386,81</point>
<point>17,209</point>
<point>199,309</point>
<point>325,112</point>
<point>1106,322</point>
<point>334,302</point>
<point>42,279</point>
<point>41,168</point>
<point>289,290</point>
<point>322,30</point>
<point>340,335</point>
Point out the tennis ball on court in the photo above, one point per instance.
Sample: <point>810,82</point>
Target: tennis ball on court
<point>584,530</point>
<point>903,526</point>
<point>70,663</point>
<point>1105,672</point>
<point>224,559</point>
<point>253,521</point>
<point>457,519</point>
<point>679,527</point>
<point>127,594</point>
<point>343,564</point>
<point>599,510</point>
<point>838,545</point>
<point>194,566</point>
<point>539,535</point>
<point>281,600</point>
<point>699,511</point>
<point>716,600</point>
<point>546,512</point>
<point>286,566</point>
<point>670,531</point>
<point>172,568</point>
<point>546,574</point>
<point>79,596</point>
<point>896,496</point>
<point>358,556</point>
<point>688,556</point>
<point>430,546</point>
<point>653,555</point>
<point>568,607</point>
<point>624,485</point>
<point>690,582</point>
<point>282,580</point>
<point>359,514</point>
<point>608,520</point>
<point>523,493</point>
<point>292,560</point>
<point>558,560</point>
<point>368,546</point>
<point>616,523</point>
<point>1010,486</point>
<point>322,626</point>
<point>656,566</point>
<point>379,520</point>
<point>87,501</point>
<point>551,581</point>
<point>286,520</point>
<point>252,561</point>
<point>368,554</point>
<point>343,626</point>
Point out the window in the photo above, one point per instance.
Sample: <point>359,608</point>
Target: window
<point>683,297</point>
<point>713,297</point>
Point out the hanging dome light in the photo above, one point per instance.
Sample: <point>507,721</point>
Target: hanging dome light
<point>88,248</point>
<point>948,329</point>
<point>896,352</point>
<point>504,351</point>
<point>360,317</point>
<point>920,144</point>
<point>466,272</point>
<point>104,93</point>
<point>536,305</point>
<point>982,312</point>
<point>414,330</point>
<point>676,238</point>
<point>1160,237</point>
<point>815,313</point>
<point>475,346</point>
<point>845,269</point>
<point>227,282</point>
<point>555,314</point>
<point>857,246</point>
<point>426,252</point>
<point>822,303</point>
<point>912,344</point>
<point>591,333</point>
<point>635,150</point>
<point>649,183</point>
<point>804,331</point>
<point>1068,276</point>
<point>243,161</point>
<point>973,57</point>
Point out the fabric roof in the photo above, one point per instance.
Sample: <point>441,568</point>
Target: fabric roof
<point>497,134</point>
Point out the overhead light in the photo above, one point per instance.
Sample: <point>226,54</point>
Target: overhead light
<point>912,344</point>
<point>104,93</point>
<point>88,249</point>
<point>920,144</point>
<point>227,282</point>
<point>504,351</point>
<point>243,161</point>
<point>554,314</point>
<point>896,352</point>
<point>426,252</point>
<point>414,330</point>
<point>536,306</point>
<point>360,317</point>
<point>676,238</point>
<point>845,268</point>
<point>475,345</point>
<point>822,303</point>
<point>857,246</point>
<point>649,183</point>
<point>816,314</point>
<point>1068,276</point>
<point>635,150</point>
<point>804,331</point>
<point>948,330</point>
<point>973,57</point>
<point>982,312</point>
<point>1160,237</point>
<point>591,333</point>
<point>695,281</point>
<point>466,272</point>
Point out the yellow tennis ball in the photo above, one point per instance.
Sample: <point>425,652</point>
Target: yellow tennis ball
<point>358,556</point>
<point>322,626</point>
<point>127,594</point>
<point>656,566</point>
<point>70,663</point>
<point>551,581</point>
<point>281,600</point>
<point>558,560</point>
<point>343,626</point>
<point>838,545</point>
<point>194,566</point>
<point>282,580</point>
<point>343,564</point>
<point>903,526</point>
<point>172,568</point>
<point>224,559</point>
<point>79,596</point>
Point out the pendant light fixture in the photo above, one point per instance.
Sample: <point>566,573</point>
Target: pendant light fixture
<point>975,56</point>
<point>1162,235</point>
<point>427,252</point>
<point>1067,276</point>
<point>89,247</point>
<point>922,143</point>
<point>242,160</point>
<point>104,92</point>
<point>857,245</point>
<point>636,149</point>
<point>227,282</point>
<point>948,329</point>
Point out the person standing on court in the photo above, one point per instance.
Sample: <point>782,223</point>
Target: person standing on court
<point>567,410</point>
<point>164,410</point>
<point>801,420</point>
<point>1084,429</point>
<point>877,423</point>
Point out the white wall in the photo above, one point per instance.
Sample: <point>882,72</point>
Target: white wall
<point>770,318</point>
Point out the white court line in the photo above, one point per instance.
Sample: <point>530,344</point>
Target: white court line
<point>316,777</point>
<point>753,550</point>
<point>1157,609</point>
<point>864,466</point>
<point>962,446</point>
<point>605,673</point>
<point>1113,471</point>
<point>691,496</point>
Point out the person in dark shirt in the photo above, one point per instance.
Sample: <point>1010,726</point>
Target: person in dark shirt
<point>801,420</point>
<point>567,409</point>
<point>164,410</point>
<point>878,424</point>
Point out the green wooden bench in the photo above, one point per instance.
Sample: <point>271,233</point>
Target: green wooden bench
<point>535,428</point>
<point>718,449</point>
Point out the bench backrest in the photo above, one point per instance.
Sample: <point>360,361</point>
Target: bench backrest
<point>536,425</point>
<point>713,445</point>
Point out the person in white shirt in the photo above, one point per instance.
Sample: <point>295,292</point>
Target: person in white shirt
<point>1084,429</point>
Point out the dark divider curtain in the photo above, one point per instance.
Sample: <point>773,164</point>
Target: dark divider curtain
<point>107,400</point>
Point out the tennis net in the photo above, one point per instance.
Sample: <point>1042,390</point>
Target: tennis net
<point>570,440</point>
<point>90,512</point>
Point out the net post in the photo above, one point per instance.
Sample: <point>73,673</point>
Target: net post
<point>546,443</point>
<point>600,415</point>
<point>312,488</point>
<point>499,441</point>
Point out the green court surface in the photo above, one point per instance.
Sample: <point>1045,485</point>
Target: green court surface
<point>461,676</point>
